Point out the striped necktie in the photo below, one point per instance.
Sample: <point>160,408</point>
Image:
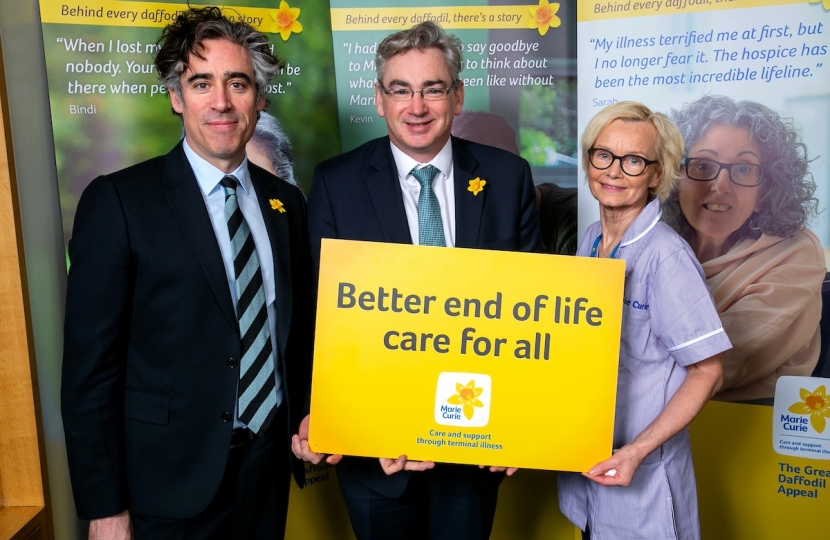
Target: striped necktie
<point>257,385</point>
<point>430,225</point>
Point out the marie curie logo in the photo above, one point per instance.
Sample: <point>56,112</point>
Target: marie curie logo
<point>463,399</point>
<point>799,417</point>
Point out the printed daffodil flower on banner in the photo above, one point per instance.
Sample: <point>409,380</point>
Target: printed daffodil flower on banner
<point>825,3</point>
<point>285,21</point>
<point>816,404</point>
<point>468,397</point>
<point>544,16</point>
<point>476,185</point>
<point>276,204</point>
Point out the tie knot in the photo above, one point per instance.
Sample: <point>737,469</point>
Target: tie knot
<point>229,184</point>
<point>425,175</point>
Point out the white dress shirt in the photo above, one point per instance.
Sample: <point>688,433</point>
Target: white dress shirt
<point>208,178</point>
<point>442,185</point>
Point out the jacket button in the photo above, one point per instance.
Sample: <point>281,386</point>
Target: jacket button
<point>226,416</point>
<point>232,362</point>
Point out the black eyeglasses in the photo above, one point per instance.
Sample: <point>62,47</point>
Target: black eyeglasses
<point>433,93</point>
<point>631,164</point>
<point>706,170</point>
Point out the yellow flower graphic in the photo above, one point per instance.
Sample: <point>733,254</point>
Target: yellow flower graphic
<point>285,20</point>
<point>814,403</point>
<point>276,204</point>
<point>476,185</point>
<point>825,3</point>
<point>467,396</point>
<point>544,17</point>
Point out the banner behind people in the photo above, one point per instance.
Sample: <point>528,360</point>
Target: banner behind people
<point>747,83</point>
<point>518,74</point>
<point>105,94</point>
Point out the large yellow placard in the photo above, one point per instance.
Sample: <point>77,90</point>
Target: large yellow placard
<point>466,356</point>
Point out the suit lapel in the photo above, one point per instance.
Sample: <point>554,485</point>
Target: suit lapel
<point>385,193</point>
<point>188,207</point>
<point>468,207</point>
<point>278,234</point>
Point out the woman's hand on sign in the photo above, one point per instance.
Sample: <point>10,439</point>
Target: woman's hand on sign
<point>619,469</point>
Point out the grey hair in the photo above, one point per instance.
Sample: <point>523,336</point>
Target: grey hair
<point>186,34</point>
<point>422,36</point>
<point>272,140</point>
<point>786,202</point>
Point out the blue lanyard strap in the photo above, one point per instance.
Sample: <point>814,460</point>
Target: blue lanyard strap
<point>595,249</point>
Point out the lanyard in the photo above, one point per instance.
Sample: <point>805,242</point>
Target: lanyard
<point>595,248</point>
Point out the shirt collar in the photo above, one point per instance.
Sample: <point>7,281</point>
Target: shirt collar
<point>208,176</point>
<point>643,223</point>
<point>442,160</point>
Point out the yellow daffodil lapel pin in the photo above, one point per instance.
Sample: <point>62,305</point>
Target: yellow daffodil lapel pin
<point>477,185</point>
<point>276,204</point>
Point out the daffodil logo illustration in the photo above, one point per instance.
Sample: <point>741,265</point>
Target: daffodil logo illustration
<point>476,185</point>
<point>815,404</point>
<point>276,204</point>
<point>544,16</point>
<point>825,3</point>
<point>467,396</point>
<point>285,21</point>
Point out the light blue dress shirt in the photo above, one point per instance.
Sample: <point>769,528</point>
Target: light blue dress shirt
<point>208,178</point>
<point>443,185</point>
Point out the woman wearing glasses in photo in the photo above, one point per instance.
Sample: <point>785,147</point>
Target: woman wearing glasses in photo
<point>670,342</point>
<point>742,202</point>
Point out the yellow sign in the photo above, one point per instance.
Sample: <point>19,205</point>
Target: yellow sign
<point>466,356</point>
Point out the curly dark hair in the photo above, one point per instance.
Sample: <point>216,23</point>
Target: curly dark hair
<point>184,36</point>
<point>786,202</point>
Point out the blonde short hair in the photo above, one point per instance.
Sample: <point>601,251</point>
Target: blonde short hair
<point>669,143</point>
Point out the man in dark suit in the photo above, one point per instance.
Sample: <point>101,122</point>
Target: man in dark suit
<point>419,185</point>
<point>187,337</point>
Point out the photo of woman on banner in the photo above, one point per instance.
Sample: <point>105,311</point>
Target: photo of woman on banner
<point>742,202</point>
<point>671,336</point>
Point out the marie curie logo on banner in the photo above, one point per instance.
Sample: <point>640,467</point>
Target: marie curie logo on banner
<point>799,425</point>
<point>463,399</point>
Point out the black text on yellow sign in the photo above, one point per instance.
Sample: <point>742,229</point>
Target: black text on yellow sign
<point>558,310</point>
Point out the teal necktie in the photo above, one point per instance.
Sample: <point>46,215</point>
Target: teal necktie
<point>430,225</point>
<point>257,385</point>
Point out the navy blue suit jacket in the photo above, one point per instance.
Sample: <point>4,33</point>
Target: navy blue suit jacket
<point>150,327</point>
<point>357,196</point>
